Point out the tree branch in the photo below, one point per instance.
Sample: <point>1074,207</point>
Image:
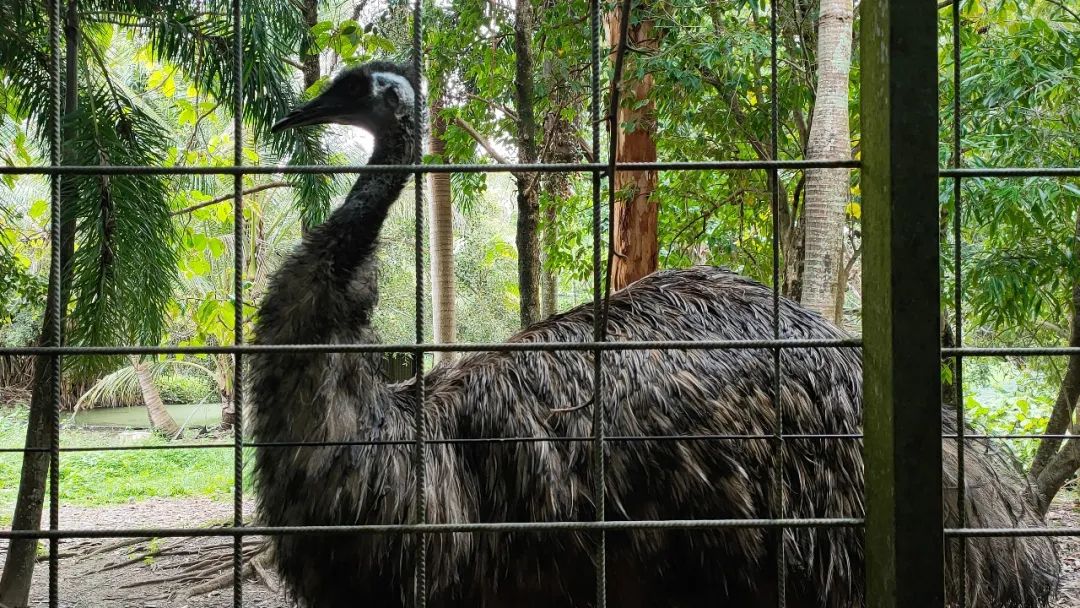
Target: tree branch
<point>227,197</point>
<point>480,139</point>
<point>1051,468</point>
<point>1062,6</point>
<point>494,105</point>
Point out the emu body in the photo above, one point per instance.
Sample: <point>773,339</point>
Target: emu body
<point>326,292</point>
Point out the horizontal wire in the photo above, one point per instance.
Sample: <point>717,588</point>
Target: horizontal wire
<point>968,351</point>
<point>1011,532</point>
<point>515,440</point>
<point>672,524</point>
<point>1010,172</point>
<point>539,526</point>
<point>1010,351</point>
<point>425,348</point>
<point>732,165</point>
<point>448,441</point>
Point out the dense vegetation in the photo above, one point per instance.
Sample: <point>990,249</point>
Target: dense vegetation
<point>151,256</point>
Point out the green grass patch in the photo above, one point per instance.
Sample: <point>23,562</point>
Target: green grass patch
<point>111,477</point>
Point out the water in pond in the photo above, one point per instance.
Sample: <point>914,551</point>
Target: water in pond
<point>185,414</point>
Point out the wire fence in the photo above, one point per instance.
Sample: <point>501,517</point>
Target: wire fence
<point>54,349</point>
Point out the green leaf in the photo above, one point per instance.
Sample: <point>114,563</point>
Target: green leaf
<point>39,210</point>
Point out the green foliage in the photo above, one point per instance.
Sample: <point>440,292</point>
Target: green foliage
<point>100,478</point>
<point>184,388</point>
<point>124,262</point>
<point>20,300</point>
<point>145,68</point>
<point>1021,69</point>
<point>485,270</point>
<point>1005,398</point>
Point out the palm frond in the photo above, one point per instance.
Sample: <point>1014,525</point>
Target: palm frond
<point>124,265</point>
<point>199,37</point>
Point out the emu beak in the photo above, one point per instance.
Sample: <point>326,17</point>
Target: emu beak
<point>315,112</point>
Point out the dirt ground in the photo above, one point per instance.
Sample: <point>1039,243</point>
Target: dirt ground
<point>99,574</point>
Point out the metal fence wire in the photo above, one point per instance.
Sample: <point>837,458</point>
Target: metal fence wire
<point>891,12</point>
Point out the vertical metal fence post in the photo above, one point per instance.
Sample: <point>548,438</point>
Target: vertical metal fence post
<point>902,379</point>
<point>777,402</point>
<point>419,420</point>
<point>55,336</point>
<point>960,543</point>
<point>599,470</point>
<point>238,302</point>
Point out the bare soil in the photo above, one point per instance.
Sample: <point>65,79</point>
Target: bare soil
<point>98,574</point>
<point>1065,513</point>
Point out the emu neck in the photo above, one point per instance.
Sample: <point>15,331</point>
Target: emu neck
<point>326,292</point>
<point>349,236</point>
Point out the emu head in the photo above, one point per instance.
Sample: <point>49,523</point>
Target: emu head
<point>374,96</point>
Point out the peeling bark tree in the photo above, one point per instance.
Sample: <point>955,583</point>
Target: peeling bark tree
<point>827,190</point>
<point>443,293</point>
<point>528,202</point>
<point>633,226</point>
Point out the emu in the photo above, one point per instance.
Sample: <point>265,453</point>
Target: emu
<point>326,292</point>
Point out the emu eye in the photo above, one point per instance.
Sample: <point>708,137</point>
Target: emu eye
<point>392,96</point>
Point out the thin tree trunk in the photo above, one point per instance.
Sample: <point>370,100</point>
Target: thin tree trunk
<point>792,241</point>
<point>633,227</point>
<point>443,292</point>
<point>22,552</point>
<point>161,420</point>
<point>309,58</point>
<point>223,378</point>
<point>1053,464</point>
<point>828,190</point>
<point>528,241</point>
<point>549,282</point>
<point>949,392</point>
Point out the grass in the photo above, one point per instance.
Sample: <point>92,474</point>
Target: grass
<point>112,477</point>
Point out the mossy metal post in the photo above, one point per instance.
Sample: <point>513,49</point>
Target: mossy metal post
<point>904,527</point>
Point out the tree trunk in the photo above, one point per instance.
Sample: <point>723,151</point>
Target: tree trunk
<point>309,58</point>
<point>633,226</point>
<point>561,147</point>
<point>443,293</point>
<point>1053,464</point>
<point>528,241</point>
<point>828,190</point>
<point>549,282</point>
<point>161,420</point>
<point>223,379</point>
<point>22,553</point>
<point>792,238</point>
<point>949,393</point>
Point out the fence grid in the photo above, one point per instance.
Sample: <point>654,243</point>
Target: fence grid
<point>54,348</point>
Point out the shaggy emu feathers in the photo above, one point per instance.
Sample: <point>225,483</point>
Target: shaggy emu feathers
<point>693,392</point>
<point>326,292</point>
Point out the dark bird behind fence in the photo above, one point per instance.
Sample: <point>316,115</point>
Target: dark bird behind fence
<point>326,291</point>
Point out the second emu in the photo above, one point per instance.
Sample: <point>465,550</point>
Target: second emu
<point>326,293</point>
